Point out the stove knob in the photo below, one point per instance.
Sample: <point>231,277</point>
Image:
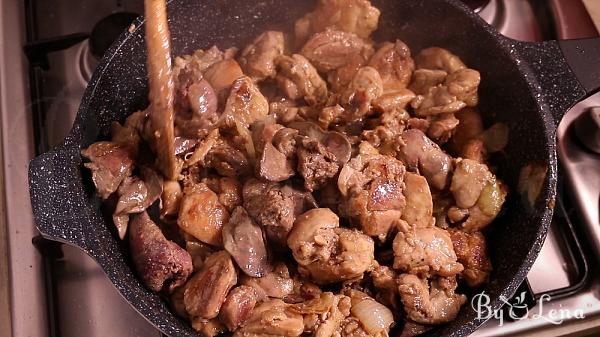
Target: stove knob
<point>587,129</point>
<point>107,30</point>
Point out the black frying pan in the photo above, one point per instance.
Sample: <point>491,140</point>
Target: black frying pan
<point>526,86</point>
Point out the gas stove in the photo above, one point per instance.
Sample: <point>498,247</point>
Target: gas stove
<point>57,290</point>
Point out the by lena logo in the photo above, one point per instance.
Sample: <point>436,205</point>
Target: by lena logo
<point>518,309</point>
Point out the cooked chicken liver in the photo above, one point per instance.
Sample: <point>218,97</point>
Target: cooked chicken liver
<point>319,183</point>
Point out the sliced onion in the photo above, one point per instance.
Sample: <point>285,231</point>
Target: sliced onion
<point>221,75</point>
<point>202,149</point>
<point>492,198</point>
<point>248,142</point>
<point>374,316</point>
<point>319,305</point>
<point>184,145</point>
<point>531,181</point>
<point>495,138</point>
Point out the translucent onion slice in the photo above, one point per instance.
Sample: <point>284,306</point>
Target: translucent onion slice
<point>374,316</point>
<point>248,142</point>
<point>495,138</point>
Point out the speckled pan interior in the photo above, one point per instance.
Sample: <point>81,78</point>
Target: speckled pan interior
<point>518,89</point>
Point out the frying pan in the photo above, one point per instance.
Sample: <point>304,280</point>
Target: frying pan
<point>524,85</point>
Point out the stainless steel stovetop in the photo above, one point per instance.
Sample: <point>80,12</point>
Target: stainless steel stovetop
<point>57,290</point>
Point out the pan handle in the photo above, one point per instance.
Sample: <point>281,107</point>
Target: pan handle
<point>567,71</point>
<point>583,57</point>
<point>60,213</point>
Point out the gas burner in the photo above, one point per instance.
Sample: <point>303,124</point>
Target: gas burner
<point>587,129</point>
<point>512,18</point>
<point>104,33</point>
<point>476,5</point>
<point>107,30</point>
<point>87,61</point>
